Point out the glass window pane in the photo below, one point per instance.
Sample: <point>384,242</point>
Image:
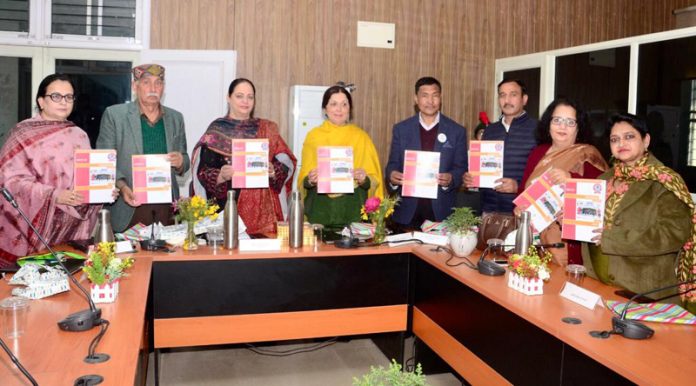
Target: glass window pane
<point>98,85</point>
<point>667,97</point>
<point>598,80</point>
<point>531,78</point>
<point>93,17</point>
<point>15,93</point>
<point>14,15</point>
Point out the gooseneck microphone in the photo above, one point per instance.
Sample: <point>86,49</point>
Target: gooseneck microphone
<point>79,321</point>
<point>18,363</point>
<point>633,329</point>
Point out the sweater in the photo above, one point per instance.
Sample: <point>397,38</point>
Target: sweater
<point>519,142</point>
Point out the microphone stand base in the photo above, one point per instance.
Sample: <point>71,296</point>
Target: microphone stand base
<point>81,321</point>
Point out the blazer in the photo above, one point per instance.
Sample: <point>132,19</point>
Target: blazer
<point>120,129</point>
<point>453,159</point>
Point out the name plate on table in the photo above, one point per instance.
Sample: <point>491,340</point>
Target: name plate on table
<point>581,296</point>
<point>260,244</point>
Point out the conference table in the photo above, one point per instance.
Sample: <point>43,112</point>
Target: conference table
<point>486,332</point>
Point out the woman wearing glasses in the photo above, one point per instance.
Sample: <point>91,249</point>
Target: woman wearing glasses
<point>649,219</point>
<point>36,166</point>
<point>563,134</point>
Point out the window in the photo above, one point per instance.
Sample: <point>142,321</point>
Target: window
<point>15,15</point>
<point>118,24</point>
<point>94,17</point>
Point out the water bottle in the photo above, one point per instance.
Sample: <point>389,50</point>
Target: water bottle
<point>296,220</point>
<point>230,222</point>
<point>104,233</point>
<point>523,239</point>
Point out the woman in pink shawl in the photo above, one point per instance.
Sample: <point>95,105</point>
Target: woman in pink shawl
<point>36,166</point>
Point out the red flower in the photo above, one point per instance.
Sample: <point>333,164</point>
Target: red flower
<point>372,204</point>
<point>483,117</point>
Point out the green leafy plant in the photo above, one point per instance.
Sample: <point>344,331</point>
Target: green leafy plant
<point>462,220</point>
<point>393,376</point>
<point>102,266</point>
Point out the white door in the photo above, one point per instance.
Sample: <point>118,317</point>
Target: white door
<point>197,83</point>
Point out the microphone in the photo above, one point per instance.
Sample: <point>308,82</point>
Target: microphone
<point>79,321</point>
<point>633,329</point>
<point>16,361</point>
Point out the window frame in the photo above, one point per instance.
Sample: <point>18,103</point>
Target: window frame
<point>40,31</point>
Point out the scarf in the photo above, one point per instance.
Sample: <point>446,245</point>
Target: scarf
<point>570,159</point>
<point>626,175</point>
<point>364,152</point>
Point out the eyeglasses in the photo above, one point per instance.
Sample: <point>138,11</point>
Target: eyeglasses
<point>570,122</point>
<point>56,97</point>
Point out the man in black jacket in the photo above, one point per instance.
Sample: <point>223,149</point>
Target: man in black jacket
<point>517,129</point>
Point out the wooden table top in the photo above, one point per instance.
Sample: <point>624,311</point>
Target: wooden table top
<point>55,357</point>
<point>668,358</point>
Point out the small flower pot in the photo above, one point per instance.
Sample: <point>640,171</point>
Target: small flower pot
<point>525,285</point>
<point>463,244</point>
<point>105,293</point>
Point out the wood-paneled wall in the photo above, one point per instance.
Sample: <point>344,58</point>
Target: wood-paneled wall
<point>281,43</point>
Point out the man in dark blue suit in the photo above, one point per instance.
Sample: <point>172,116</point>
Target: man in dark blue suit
<point>429,130</point>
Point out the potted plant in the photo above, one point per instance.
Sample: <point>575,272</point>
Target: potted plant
<point>104,271</point>
<point>462,228</point>
<point>377,211</point>
<point>529,272</point>
<point>192,209</point>
<point>393,376</point>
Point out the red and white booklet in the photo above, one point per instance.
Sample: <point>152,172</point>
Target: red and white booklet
<point>583,208</point>
<point>543,200</point>
<point>250,163</point>
<point>420,174</point>
<point>335,167</point>
<point>486,162</point>
<point>95,175</point>
<point>152,178</point>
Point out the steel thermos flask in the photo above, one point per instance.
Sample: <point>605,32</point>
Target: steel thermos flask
<point>104,233</point>
<point>230,222</point>
<point>296,220</point>
<point>523,238</point>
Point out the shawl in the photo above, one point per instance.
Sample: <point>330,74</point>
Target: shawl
<point>364,152</point>
<point>626,175</point>
<point>36,164</point>
<point>252,204</point>
<point>570,159</point>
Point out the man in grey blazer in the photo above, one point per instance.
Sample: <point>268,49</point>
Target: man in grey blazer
<point>143,127</point>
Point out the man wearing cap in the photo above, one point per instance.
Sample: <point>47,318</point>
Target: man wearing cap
<point>429,130</point>
<point>143,127</point>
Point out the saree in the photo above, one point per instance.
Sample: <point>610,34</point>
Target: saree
<point>214,149</point>
<point>571,159</point>
<point>339,209</point>
<point>36,164</point>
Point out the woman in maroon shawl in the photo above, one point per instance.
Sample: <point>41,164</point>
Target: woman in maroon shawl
<point>212,170</point>
<point>36,166</point>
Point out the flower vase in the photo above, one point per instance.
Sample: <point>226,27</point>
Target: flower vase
<point>191,242</point>
<point>104,293</point>
<point>463,244</point>
<point>380,231</point>
<point>528,286</point>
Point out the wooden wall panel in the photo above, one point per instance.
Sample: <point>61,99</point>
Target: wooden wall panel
<point>281,43</point>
